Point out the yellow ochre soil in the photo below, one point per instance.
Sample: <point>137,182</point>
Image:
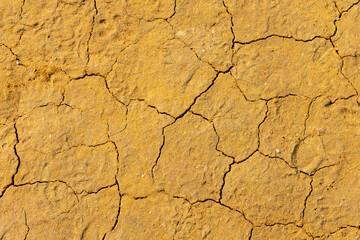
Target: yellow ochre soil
<point>179,119</point>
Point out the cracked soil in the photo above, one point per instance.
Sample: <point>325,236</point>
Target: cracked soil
<point>179,119</point>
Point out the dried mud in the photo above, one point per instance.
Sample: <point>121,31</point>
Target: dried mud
<point>179,119</point>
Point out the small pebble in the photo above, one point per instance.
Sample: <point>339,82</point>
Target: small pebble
<point>277,150</point>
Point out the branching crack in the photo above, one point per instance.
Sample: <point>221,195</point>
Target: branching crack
<point>22,8</point>
<point>203,92</point>
<point>285,224</point>
<point>226,173</point>
<point>151,106</point>
<point>232,23</point>
<point>90,34</point>
<point>304,40</point>
<point>17,58</point>
<point>220,151</point>
<point>98,190</point>
<point>342,71</point>
<point>87,75</point>
<point>193,50</point>
<point>277,224</point>
<point>263,99</point>
<point>230,165</point>
<point>251,231</point>
<point>18,159</point>
<point>259,126</point>
<point>118,212</point>
<point>305,202</point>
<point>337,50</point>
<point>339,229</point>
<point>173,12</point>
<point>118,162</point>
<point>308,114</point>
<point>197,55</point>
<point>288,164</point>
<point>218,202</point>
<point>242,92</point>
<point>198,114</point>
<point>223,181</point>
<point>47,182</point>
<point>338,99</point>
<point>321,168</point>
<point>107,85</point>
<point>160,150</point>
<point>26,224</point>
<point>348,9</point>
<point>16,154</point>
<point>280,36</point>
<point>189,110</point>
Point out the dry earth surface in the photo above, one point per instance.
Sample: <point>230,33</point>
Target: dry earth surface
<point>179,119</point>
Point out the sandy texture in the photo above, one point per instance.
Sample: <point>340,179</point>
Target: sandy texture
<point>179,119</point>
